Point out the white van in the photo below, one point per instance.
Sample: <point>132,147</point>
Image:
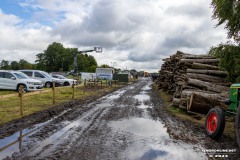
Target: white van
<point>44,77</point>
<point>11,80</point>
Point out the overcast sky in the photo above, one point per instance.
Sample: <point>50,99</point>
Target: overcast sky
<point>133,33</point>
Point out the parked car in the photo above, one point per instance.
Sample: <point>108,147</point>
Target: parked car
<point>11,80</point>
<point>46,79</point>
<point>66,81</point>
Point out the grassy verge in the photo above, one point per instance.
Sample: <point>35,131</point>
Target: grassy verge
<point>5,92</point>
<point>10,106</point>
<point>194,118</point>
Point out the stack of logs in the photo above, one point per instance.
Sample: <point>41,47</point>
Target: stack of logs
<point>195,81</point>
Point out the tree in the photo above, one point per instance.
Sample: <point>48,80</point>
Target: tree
<point>133,72</point>
<point>53,56</point>
<point>105,66</point>
<point>229,55</point>
<point>228,12</point>
<point>25,64</point>
<point>15,65</point>
<point>5,65</point>
<point>92,64</point>
<point>58,58</point>
<point>41,62</point>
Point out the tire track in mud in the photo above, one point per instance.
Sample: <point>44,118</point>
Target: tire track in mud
<point>127,124</point>
<point>48,141</point>
<point>56,141</point>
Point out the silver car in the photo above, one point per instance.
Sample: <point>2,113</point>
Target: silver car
<point>46,79</point>
<point>66,81</point>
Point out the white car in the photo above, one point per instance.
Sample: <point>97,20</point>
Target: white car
<point>11,80</point>
<point>66,81</point>
<point>44,77</point>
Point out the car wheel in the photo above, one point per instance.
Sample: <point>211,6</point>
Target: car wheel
<point>48,85</point>
<point>24,88</point>
<point>66,84</point>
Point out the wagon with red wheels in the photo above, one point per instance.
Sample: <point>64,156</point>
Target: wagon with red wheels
<point>215,121</point>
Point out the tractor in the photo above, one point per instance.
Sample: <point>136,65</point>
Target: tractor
<point>215,121</point>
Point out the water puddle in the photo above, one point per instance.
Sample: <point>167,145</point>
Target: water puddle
<point>151,141</point>
<point>142,97</point>
<point>141,127</point>
<point>147,87</point>
<point>56,136</point>
<point>17,139</point>
<point>116,95</point>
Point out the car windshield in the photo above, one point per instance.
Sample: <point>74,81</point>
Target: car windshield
<point>21,75</point>
<point>46,74</point>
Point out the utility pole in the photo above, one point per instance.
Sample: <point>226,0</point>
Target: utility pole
<point>96,49</point>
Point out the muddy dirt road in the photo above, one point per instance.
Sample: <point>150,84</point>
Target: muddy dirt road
<point>130,123</point>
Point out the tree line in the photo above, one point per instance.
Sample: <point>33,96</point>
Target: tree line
<point>55,58</point>
<point>227,12</point>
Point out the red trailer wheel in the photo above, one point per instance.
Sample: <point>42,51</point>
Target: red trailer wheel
<point>215,123</point>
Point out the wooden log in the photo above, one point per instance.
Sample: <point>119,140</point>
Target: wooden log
<point>206,61</point>
<point>202,66</point>
<point>207,94</point>
<point>208,86</point>
<point>200,104</point>
<point>187,87</point>
<point>202,56</point>
<point>176,102</point>
<point>204,77</point>
<point>208,72</point>
<point>183,107</point>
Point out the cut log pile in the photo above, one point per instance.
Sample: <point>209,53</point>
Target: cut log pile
<point>195,81</point>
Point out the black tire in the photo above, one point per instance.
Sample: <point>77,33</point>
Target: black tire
<point>48,84</point>
<point>24,88</point>
<point>215,123</point>
<point>66,84</point>
<point>237,126</point>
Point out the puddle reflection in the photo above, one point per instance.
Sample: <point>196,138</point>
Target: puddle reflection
<point>141,127</point>
<point>142,97</point>
<point>152,142</point>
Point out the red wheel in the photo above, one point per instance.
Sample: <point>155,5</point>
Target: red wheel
<point>215,123</point>
<point>212,122</point>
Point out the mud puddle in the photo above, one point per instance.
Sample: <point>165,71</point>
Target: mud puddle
<point>151,141</point>
<point>19,138</point>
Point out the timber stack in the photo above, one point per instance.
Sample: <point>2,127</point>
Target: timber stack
<point>195,81</point>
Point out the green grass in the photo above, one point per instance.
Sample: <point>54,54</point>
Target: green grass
<point>5,92</point>
<point>10,106</point>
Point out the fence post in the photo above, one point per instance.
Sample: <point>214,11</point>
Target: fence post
<point>20,139</point>
<point>95,84</point>
<point>53,89</point>
<point>20,95</point>
<point>101,84</point>
<point>85,85</point>
<point>73,90</point>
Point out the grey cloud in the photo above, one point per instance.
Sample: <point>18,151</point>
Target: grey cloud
<point>108,16</point>
<point>136,57</point>
<point>189,10</point>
